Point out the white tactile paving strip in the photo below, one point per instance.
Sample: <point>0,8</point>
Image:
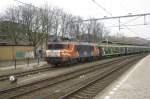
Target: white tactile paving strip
<point>134,84</point>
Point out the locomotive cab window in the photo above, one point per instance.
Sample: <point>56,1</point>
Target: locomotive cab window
<point>57,46</point>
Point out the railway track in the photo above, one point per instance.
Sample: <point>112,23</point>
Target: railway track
<point>92,88</point>
<point>34,86</point>
<point>24,73</point>
<point>30,72</point>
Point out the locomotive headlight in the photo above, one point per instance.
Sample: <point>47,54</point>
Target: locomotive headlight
<point>53,53</point>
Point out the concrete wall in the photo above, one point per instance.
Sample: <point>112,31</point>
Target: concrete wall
<point>8,52</point>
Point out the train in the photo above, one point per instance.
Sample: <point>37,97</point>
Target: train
<point>69,52</point>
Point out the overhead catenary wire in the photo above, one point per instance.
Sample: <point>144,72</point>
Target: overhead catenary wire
<point>102,8</point>
<point>116,17</point>
<point>133,25</point>
<point>131,20</point>
<point>108,12</point>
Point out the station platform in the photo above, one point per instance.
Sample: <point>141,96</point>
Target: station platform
<point>133,84</point>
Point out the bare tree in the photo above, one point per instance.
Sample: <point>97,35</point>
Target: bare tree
<point>56,21</point>
<point>12,20</point>
<point>35,25</point>
<point>31,18</point>
<point>46,15</point>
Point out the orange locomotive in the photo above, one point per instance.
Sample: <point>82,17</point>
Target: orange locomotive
<point>67,52</point>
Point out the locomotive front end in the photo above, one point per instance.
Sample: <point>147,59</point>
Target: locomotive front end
<point>53,53</point>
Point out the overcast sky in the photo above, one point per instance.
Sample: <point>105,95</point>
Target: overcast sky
<point>86,9</point>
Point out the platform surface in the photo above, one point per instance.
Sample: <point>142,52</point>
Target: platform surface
<point>133,84</point>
